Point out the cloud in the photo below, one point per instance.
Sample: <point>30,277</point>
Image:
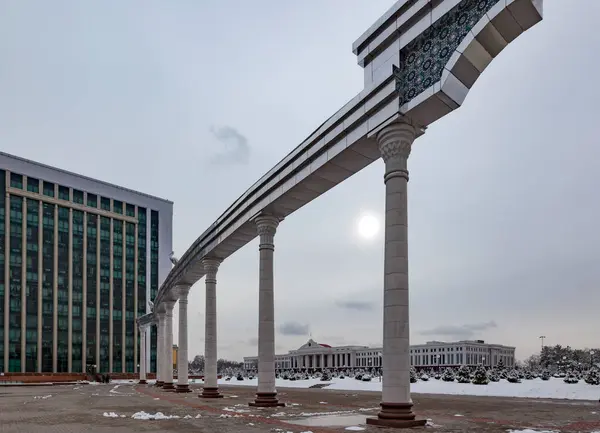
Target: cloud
<point>356,305</point>
<point>236,148</point>
<point>252,341</point>
<point>293,328</point>
<point>459,331</point>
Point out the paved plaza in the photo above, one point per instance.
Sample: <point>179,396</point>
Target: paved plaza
<point>82,408</point>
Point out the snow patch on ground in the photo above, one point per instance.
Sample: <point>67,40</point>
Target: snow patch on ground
<point>148,416</point>
<point>430,423</point>
<point>110,415</point>
<point>528,430</point>
<point>42,397</point>
<point>354,428</point>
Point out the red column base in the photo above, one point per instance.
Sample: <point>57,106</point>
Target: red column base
<point>210,393</point>
<point>168,386</point>
<point>397,415</point>
<point>159,383</point>
<point>142,382</point>
<point>266,399</point>
<point>183,388</point>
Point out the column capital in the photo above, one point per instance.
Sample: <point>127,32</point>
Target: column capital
<point>211,266</point>
<point>182,292</point>
<point>169,307</point>
<point>395,140</point>
<point>266,224</point>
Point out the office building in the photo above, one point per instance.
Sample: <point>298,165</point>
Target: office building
<point>81,259</point>
<point>317,356</point>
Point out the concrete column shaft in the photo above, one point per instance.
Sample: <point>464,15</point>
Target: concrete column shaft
<point>211,266</point>
<point>143,354</point>
<point>160,334</point>
<point>182,351</point>
<point>395,143</point>
<point>168,341</point>
<point>267,227</point>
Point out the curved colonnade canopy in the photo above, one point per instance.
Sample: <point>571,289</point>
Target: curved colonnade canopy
<point>420,60</point>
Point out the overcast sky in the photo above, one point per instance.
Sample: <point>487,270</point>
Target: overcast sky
<point>195,100</point>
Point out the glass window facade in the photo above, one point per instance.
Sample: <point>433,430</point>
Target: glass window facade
<point>117,295</point>
<point>91,286</point>
<point>2,262</point>
<point>73,278</point>
<point>62,279</point>
<point>130,313</point>
<point>15,282</point>
<point>47,286</point>
<point>104,303</point>
<point>77,291</point>
<point>32,281</point>
<point>153,270</point>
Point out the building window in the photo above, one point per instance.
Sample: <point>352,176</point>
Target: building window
<point>77,196</point>
<point>48,189</point>
<point>16,180</point>
<point>130,210</point>
<point>63,193</point>
<point>117,206</point>
<point>33,185</point>
<point>105,203</point>
<point>92,200</point>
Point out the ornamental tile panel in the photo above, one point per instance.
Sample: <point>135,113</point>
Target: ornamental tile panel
<point>423,60</point>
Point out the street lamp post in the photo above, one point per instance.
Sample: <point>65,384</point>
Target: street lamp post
<point>592,358</point>
<point>483,361</point>
<point>438,357</point>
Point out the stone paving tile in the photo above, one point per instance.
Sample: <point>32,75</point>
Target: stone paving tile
<point>78,409</point>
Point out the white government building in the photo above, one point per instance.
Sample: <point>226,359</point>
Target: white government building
<point>316,356</point>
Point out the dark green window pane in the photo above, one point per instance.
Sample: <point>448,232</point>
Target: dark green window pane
<point>105,203</point>
<point>63,193</point>
<point>130,210</point>
<point>16,180</point>
<point>77,196</point>
<point>117,206</point>
<point>33,184</point>
<point>92,200</point>
<point>48,189</point>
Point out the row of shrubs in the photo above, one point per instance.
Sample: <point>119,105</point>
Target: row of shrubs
<point>481,376</point>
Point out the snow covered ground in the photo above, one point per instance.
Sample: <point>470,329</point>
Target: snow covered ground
<point>536,388</point>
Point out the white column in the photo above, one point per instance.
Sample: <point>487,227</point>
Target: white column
<point>394,143</point>
<point>168,348</point>
<point>211,387</point>
<point>143,354</point>
<point>266,394</point>
<point>182,352</point>
<point>160,361</point>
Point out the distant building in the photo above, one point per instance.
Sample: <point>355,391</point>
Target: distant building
<point>175,350</point>
<point>317,356</point>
